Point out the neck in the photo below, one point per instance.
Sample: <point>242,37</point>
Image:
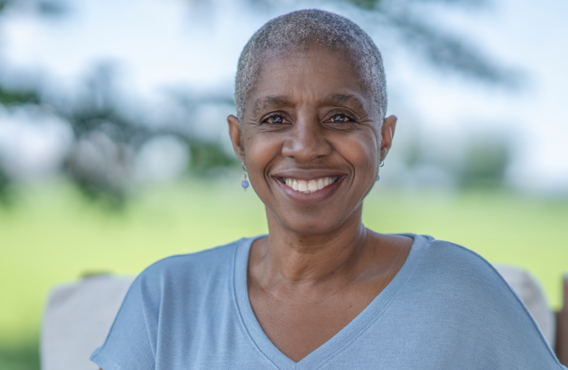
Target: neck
<point>292,258</point>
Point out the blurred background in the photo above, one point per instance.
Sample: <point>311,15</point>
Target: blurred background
<point>114,150</point>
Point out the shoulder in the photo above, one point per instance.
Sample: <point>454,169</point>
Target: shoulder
<point>460,289</point>
<point>464,281</point>
<point>204,259</point>
<point>458,266</point>
<point>462,286</point>
<point>190,271</point>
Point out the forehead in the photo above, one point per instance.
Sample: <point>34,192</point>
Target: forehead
<point>316,74</point>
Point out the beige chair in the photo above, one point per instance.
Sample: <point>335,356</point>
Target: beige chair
<point>530,292</point>
<point>554,325</point>
<point>561,347</point>
<point>77,319</point>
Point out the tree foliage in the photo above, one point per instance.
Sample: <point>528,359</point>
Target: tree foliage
<point>98,121</point>
<point>443,48</point>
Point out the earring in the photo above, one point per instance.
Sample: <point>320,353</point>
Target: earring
<point>381,165</point>
<point>245,184</point>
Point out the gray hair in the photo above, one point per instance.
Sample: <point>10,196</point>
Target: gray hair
<point>295,31</point>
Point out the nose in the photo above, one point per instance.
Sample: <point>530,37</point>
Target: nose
<point>306,140</point>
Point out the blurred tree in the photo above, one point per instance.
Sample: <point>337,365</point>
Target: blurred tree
<point>17,97</point>
<point>8,98</point>
<point>444,48</point>
<point>206,155</point>
<point>485,163</point>
<point>45,8</point>
<point>100,157</point>
<point>5,188</point>
<point>107,136</point>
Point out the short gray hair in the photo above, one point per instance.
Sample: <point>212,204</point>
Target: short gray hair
<point>295,31</point>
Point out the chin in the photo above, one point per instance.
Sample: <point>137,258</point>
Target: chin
<point>311,227</point>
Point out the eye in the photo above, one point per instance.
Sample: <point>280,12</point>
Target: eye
<point>274,120</point>
<point>341,118</point>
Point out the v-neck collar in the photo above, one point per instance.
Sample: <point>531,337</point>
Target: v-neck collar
<point>341,339</point>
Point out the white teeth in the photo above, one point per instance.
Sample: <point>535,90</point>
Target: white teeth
<point>312,185</point>
<point>309,186</point>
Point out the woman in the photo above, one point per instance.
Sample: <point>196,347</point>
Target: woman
<point>320,291</point>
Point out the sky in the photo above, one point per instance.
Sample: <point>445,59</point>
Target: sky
<point>163,44</point>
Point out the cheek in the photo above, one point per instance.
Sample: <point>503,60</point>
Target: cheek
<point>361,151</point>
<point>260,151</point>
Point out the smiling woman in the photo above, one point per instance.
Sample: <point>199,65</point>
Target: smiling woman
<point>320,291</point>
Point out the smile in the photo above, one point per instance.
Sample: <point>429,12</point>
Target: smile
<point>309,186</point>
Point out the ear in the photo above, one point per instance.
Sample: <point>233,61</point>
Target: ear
<point>387,134</point>
<point>235,134</point>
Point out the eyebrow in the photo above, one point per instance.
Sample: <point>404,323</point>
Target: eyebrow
<point>341,99</point>
<point>333,99</point>
<point>263,103</point>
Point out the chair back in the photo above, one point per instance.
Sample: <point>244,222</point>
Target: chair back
<point>532,295</point>
<point>562,326</point>
<point>77,319</point>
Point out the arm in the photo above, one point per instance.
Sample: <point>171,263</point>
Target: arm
<point>127,345</point>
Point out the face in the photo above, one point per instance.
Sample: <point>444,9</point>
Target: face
<point>311,140</point>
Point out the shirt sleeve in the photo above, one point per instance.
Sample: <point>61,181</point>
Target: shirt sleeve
<point>496,330</point>
<point>128,345</point>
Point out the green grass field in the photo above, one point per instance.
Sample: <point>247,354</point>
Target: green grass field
<point>52,236</point>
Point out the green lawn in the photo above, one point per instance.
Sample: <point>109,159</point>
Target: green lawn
<point>52,236</point>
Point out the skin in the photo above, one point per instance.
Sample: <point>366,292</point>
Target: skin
<point>309,116</point>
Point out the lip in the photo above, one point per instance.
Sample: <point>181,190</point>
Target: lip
<point>307,174</point>
<point>312,198</point>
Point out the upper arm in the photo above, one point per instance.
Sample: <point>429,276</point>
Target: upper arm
<point>128,344</point>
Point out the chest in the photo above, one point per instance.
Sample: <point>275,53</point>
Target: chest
<point>299,325</point>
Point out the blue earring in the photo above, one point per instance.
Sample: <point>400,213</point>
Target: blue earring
<point>381,165</point>
<point>245,184</point>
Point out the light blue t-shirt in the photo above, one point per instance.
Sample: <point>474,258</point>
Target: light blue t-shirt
<point>447,308</point>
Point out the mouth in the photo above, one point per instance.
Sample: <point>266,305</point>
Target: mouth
<point>308,186</point>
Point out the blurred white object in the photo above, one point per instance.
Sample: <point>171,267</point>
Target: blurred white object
<point>163,158</point>
<point>529,290</point>
<point>33,142</point>
<point>77,319</point>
